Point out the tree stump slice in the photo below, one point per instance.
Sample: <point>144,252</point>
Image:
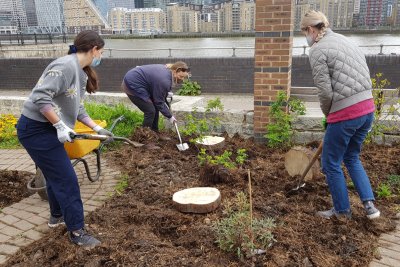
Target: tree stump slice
<point>197,200</point>
<point>297,160</point>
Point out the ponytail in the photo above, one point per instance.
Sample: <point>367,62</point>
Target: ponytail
<point>93,81</point>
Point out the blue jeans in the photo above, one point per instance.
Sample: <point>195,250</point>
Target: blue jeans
<point>342,143</point>
<point>41,142</point>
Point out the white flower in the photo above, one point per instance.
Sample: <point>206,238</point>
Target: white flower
<point>54,73</point>
<point>40,82</point>
<point>57,110</point>
<point>71,92</point>
<point>51,93</point>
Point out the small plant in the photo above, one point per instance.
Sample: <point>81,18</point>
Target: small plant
<point>279,131</point>
<point>394,180</point>
<point>224,159</point>
<point>189,88</point>
<point>199,124</point>
<point>238,233</point>
<point>241,156</point>
<point>384,191</point>
<point>350,185</point>
<point>378,128</point>
<point>122,185</point>
<point>8,138</point>
<point>214,105</point>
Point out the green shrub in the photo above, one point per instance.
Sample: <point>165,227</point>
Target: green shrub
<point>238,233</point>
<point>189,88</point>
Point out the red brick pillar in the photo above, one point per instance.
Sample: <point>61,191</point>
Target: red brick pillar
<point>273,57</point>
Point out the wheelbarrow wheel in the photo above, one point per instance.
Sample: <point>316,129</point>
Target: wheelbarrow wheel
<point>38,184</point>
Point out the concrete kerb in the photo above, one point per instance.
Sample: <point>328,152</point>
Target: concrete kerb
<point>26,221</point>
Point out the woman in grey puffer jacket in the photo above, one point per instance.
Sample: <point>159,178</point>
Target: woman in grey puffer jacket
<point>342,77</point>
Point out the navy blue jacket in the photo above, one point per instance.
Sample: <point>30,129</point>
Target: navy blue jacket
<point>151,83</point>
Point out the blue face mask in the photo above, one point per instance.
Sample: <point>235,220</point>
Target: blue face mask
<point>95,62</point>
<point>310,40</point>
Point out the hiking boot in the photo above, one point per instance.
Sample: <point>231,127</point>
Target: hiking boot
<point>55,221</point>
<point>83,238</point>
<point>327,214</point>
<point>372,212</point>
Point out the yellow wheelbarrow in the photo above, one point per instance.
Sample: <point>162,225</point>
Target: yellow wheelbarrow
<point>85,142</point>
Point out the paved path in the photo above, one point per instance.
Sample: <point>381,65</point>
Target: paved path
<point>26,221</point>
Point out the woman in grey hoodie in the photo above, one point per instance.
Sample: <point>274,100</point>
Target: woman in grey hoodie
<point>342,77</point>
<point>47,121</point>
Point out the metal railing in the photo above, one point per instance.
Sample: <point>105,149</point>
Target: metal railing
<point>169,51</point>
<point>31,39</point>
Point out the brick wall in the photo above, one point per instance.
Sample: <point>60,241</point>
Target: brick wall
<point>273,57</point>
<point>216,75</point>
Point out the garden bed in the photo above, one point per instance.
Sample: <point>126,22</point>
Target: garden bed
<point>140,227</point>
<point>13,187</point>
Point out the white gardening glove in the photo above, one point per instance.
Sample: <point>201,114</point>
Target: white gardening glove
<point>172,120</point>
<point>63,132</point>
<point>170,94</point>
<point>100,130</point>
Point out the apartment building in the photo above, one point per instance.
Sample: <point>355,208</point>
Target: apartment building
<point>83,15</point>
<point>183,17</point>
<point>137,21</point>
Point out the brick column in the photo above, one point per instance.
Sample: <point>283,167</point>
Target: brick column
<point>273,57</point>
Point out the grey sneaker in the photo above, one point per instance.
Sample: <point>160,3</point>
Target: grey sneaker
<point>372,212</point>
<point>83,238</point>
<point>332,212</point>
<point>55,221</point>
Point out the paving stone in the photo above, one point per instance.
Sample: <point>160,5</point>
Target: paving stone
<point>89,208</point>
<point>10,231</point>
<point>86,195</point>
<point>377,264</point>
<point>90,186</point>
<point>389,245</point>
<point>19,206</point>
<point>390,238</point>
<point>88,190</point>
<point>37,220</point>
<point>23,225</point>
<point>33,234</point>
<point>43,228</point>
<point>9,210</point>
<point>3,259</point>
<point>4,238</point>
<point>390,262</point>
<point>2,225</point>
<point>8,249</point>
<point>9,219</point>
<point>37,210</point>
<point>94,203</point>
<point>99,198</point>
<point>385,252</point>
<point>20,241</point>
<point>32,200</point>
<point>23,214</point>
<point>45,214</point>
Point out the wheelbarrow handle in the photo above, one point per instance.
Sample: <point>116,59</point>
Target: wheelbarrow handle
<point>104,138</point>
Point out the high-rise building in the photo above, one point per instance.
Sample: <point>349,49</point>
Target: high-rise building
<point>129,4</point>
<point>183,17</point>
<point>83,15</point>
<point>137,21</point>
<point>102,6</point>
<point>372,13</point>
<point>30,9</point>
<point>50,16</point>
<point>17,11</point>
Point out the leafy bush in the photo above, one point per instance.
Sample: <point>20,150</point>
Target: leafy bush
<point>214,105</point>
<point>384,191</point>
<point>189,88</point>
<point>279,130</point>
<point>238,233</point>
<point>224,159</point>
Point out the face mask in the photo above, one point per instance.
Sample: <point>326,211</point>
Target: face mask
<point>310,40</point>
<point>95,62</point>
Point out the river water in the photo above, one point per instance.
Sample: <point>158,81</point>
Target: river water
<point>223,47</point>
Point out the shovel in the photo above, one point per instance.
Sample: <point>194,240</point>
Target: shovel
<point>181,146</point>
<point>104,138</point>
<point>301,182</point>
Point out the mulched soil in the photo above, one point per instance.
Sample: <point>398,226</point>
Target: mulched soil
<point>13,187</point>
<point>141,227</point>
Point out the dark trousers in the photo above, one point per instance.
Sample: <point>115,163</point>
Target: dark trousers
<point>41,142</point>
<point>151,113</point>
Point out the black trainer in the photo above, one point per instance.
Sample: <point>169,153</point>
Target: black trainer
<point>83,238</point>
<point>55,221</point>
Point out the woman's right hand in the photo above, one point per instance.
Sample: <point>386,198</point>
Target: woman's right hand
<point>63,132</point>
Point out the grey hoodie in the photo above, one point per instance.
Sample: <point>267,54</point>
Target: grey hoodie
<point>63,86</point>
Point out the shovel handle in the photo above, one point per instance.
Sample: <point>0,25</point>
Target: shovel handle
<point>179,135</point>
<point>314,158</point>
<point>104,138</point>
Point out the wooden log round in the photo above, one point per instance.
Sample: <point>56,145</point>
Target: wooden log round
<point>197,199</point>
<point>297,160</point>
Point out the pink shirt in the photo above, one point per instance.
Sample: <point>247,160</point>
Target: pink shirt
<point>355,111</point>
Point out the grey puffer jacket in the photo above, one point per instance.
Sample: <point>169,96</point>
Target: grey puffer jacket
<point>340,73</point>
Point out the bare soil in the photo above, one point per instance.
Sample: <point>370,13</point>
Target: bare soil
<point>13,187</point>
<point>141,228</point>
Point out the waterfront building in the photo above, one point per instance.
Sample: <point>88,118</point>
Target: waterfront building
<point>141,21</point>
<point>13,14</point>
<point>372,13</point>
<point>183,17</point>
<point>30,9</point>
<point>50,16</point>
<point>102,6</point>
<point>129,4</point>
